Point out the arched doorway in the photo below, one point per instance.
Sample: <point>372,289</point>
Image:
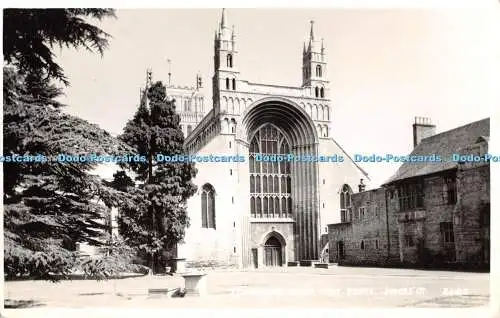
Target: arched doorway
<point>272,252</point>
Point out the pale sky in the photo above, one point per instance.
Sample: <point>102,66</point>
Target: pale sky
<point>385,66</point>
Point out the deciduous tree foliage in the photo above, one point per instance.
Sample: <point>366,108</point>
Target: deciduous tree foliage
<point>157,221</point>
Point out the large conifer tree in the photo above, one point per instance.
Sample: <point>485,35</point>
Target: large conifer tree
<point>158,220</point>
<point>50,206</point>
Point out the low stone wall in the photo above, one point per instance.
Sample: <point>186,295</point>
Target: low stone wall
<point>201,265</point>
<point>405,265</point>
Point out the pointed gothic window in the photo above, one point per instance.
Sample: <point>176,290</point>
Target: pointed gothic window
<point>208,206</point>
<point>274,177</point>
<point>316,91</point>
<point>322,92</point>
<point>229,60</point>
<point>234,84</point>
<point>227,83</point>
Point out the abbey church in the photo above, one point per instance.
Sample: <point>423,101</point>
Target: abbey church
<point>255,213</point>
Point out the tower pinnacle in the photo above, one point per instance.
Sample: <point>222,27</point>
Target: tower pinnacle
<point>314,64</point>
<point>223,19</point>
<point>311,35</point>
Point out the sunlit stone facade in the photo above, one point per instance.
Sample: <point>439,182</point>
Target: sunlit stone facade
<point>254,213</point>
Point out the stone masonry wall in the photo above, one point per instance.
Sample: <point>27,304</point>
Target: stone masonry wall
<point>471,235</point>
<point>437,211</point>
<point>470,247</point>
<point>366,240</point>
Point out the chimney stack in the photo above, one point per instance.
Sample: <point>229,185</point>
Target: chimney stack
<point>422,128</point>
<point>361,186</point>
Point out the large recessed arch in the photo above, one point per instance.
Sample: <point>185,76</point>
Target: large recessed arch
<point>302,202</point>
<point>283,113</point>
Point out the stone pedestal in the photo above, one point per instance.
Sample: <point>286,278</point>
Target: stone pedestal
<point>195,284</point>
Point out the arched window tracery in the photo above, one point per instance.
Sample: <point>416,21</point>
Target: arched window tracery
<point>270,181</point>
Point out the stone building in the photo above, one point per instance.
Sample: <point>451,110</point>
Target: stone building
<point>363,235</point>
<point>190,104</point>
<point>436,213</point>
<point>189,101</point>
<point>251,213</point>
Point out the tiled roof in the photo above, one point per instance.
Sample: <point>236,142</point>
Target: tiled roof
<point>444,145</point>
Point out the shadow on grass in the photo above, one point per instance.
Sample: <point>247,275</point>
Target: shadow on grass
<point>11,303</point>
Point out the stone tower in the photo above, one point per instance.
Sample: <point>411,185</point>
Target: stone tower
<point>225,56</point>
<point>314,66</point>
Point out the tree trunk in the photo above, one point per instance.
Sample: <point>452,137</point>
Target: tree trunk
<point>151,264</point>
<point>153,229</point>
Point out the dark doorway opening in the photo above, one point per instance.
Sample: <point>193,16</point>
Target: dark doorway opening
<point>340,250</point>
<point>272,252</point>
